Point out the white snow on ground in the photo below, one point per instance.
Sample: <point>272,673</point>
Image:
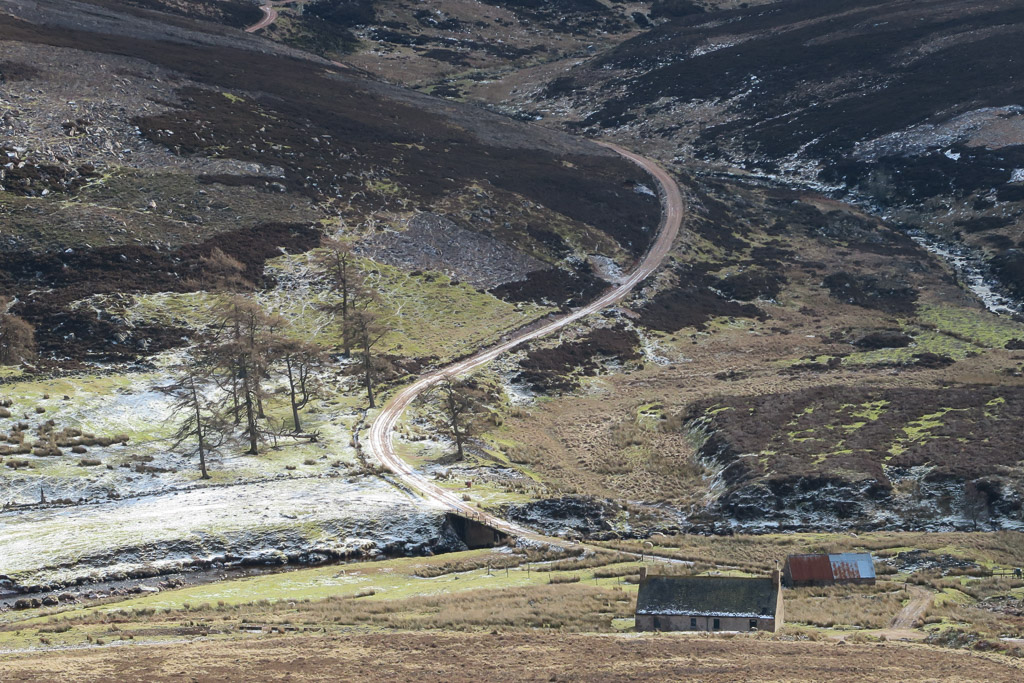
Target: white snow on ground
<point>924,137</point>
<point>1017,176</point>
<point>607,269</point>
<point>713,47</point>
<point>260,520</point>
<point>971,276</point>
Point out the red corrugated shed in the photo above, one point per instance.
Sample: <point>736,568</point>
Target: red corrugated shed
<point>809,568</point>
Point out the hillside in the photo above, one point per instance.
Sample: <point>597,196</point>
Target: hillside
<point>173,147</point>
<point>408,338</point>
<point>909,108</point>
<point>837,154</point>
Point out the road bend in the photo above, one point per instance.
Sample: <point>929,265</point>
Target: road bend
<point>380,443</point>
<point>380,440</point>
<point>269,8</point>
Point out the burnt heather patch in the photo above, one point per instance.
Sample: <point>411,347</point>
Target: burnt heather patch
<point>559,368</point>
<point>234,13</point>
<point>321,134</point>
<point>913,107</point>
<point>554,285</point>
<point>45,283</point>
<point>880,293</point>
<point>579,17</point>
<point>340,135</point>
<point>919,451</point>
<point>692,302</point>
<point>794,45</point>
<point>326,151</point>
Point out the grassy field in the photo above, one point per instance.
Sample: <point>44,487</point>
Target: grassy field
<point>1002,549</point>
<point>505,656</point>
<point>526,590</point>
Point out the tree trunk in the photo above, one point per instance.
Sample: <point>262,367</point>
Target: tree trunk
<point>250,416</point>
<point>368,370</point>
<point>291,391</point>
<point>344,322</point>
<point>199,428</point>
<point>234,397</point>
<point>459,438</point>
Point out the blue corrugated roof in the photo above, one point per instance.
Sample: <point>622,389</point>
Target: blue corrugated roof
<point>852,565</point>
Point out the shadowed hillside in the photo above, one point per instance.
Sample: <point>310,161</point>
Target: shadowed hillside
<point>911,107</point>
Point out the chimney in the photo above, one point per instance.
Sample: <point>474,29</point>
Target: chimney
<point>643,572</point>
<point>776,576</point>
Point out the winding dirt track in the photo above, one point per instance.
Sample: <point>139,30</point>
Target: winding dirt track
<point>380,435</point>
<point>269,15</point>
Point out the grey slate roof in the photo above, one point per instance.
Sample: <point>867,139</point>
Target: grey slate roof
<point>713,596</point>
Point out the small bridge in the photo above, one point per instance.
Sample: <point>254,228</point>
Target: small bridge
<point>474,533</point>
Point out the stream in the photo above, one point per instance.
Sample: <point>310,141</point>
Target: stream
<point>971,272</point>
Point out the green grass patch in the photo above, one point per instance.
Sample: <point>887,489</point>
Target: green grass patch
<point>979,327</point>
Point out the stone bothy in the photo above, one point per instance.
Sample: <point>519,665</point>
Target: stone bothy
<point>709,603</point>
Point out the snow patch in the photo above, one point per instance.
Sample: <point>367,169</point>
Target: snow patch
<point>262,522</point>
<point>977,280</point>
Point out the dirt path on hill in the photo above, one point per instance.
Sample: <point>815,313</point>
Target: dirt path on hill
<point>269,16</point>
<point>902,625</point>
<point>381,431</point>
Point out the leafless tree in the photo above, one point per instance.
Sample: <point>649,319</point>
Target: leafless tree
<point>199,423</point>
<point>300,360</point>
<point>242,354</point>
<point>337,263</point>
<point>977,507</point>
<point>462,403</point>
<point>17,336</point>
<point>366,329</point>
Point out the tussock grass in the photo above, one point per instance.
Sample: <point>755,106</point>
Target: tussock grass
<point>980,619</point>
<point>564,605</point>
<point>583,561</point>
<point>564,578</point>
<point>861,606</point>
<point>975,589</point>
<point>466,564</point>
<point>760,553</point>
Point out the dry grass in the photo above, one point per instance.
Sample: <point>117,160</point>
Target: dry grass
<point>514,559</point>
<point>976,619</point>
<point>563,604</point>
<point>558,606</point>
<point>760,553</point>
<point>508,656</point>
<point>979,589</point>
<point>858,606</point>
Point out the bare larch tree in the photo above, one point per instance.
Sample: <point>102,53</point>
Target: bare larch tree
<point>243,354</point>
<point>337,263</point>
<point>366,329</point>
<point>199,423</point>
<point>301,360</point>
<point>462,403</point>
